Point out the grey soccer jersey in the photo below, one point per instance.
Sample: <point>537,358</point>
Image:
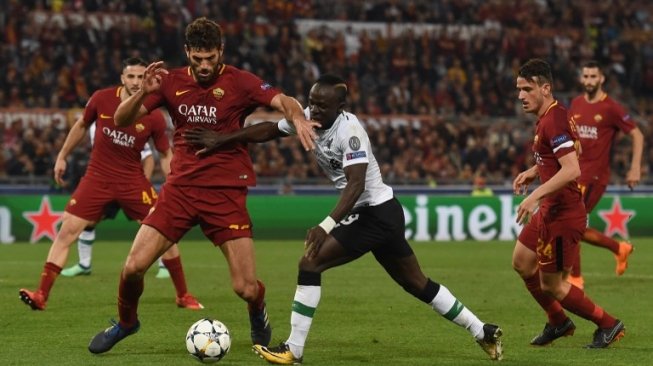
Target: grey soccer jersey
<point>346,143</point>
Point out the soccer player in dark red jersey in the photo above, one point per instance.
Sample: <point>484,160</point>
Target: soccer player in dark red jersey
<point>207,190</point>
<point>599,118</point>
<point>114,175</point>
<point>547,245</point>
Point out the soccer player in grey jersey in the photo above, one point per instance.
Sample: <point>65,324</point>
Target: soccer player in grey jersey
<point>367,218</point>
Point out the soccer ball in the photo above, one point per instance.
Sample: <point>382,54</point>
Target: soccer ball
<point>208,340</point>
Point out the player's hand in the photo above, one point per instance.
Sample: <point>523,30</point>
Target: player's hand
<point>523,180</point>
<point>633,177</point>
<point>306,131</point>
<point>59,170</point>
<point>152,77</point>
<point>204,139</point>
<point>314,240</point>
<point>526,209</point>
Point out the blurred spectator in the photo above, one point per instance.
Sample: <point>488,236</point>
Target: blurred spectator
<point>480,189</point>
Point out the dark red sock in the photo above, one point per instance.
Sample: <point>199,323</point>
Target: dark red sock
<point>176,274</point>
<point>129,291</point>
<point>581,305</point>
<point>575,270</point>
<point>48,276</point>
<point>260,298</point>
<point>597,238</point>
<point>550,305</point>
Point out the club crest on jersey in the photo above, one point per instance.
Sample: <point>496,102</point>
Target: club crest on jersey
<point>354,143</point>
<point>218,93</point>
<point>139,127</point>
<point>598,118</point>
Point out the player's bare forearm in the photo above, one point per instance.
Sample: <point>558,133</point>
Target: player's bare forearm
<point>355,186</point>
<point>165,158</point>
<point>74,137</point>
<point>148,166</point>
<point>292,111</point>
<point>569,172</point>
<point>130,110</point>
<point>208,140</point>
<point>638,147</point>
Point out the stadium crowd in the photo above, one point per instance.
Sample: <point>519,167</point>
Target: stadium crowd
<point>461,79</point>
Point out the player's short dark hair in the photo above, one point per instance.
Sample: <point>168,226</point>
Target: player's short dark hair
<point>593,64</point>
<point>203,34</point>
<point>536,70</point>
<point>338,83</point>
<point>133,61</point>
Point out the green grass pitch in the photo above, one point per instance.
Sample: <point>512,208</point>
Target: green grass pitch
<point>363,317</point>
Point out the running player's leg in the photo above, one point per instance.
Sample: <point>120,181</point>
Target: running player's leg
<point>85,253</point>
<point>555,260</point>
<point>83,208</point>
<point>71,227</point>
<point>306,299</point>
<point>406,272</point>
<point>524,261</point>
<point>621,250</point>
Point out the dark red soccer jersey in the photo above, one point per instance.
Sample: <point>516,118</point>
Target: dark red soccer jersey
<point>597,125</point>
<point>116,153</point>
<point>221,106</point>
<point>556,137</point>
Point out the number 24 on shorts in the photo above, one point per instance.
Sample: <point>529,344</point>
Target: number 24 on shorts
<point>149,199</point>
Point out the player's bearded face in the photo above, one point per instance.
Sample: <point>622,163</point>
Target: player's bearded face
<point>591,79</point>
<point>132,78</point>
<point>204,64</point>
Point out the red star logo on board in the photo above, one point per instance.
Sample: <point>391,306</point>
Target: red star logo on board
<point>616,219</point>
<point>44,220</point>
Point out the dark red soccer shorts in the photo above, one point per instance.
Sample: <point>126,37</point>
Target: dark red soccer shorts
<point>92,195</point>
<point>221,212</point>
<point>592,193</point>
<point>554,240</point>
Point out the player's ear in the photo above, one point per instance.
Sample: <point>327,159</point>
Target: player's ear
<point>187,50</point>
<point>546,89</point>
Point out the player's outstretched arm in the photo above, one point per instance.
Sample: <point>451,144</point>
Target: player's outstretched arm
<point>132,108</point>
<point>634,174</point>
<point>74,137</point>
<point>208,140</point>
<point>316,235</point>
<point>292,112</point>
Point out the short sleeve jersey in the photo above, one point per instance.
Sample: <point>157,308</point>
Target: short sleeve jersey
<point>598,124</point>
<point>221,106</point>
<point>116,153</point>
<point>346,143</point>
<point>556,137</point>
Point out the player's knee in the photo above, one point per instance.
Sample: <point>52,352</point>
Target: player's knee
<point>246,290</point>
<point>313,265</point>
<point>523,269</point>
<point>134,268</point>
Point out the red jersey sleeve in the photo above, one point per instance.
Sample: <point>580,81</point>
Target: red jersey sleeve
<point>90,112</point>
<point>622,119</point>
<point>561,135</point>
<point>153,101</point>
<point>159,136</point>
<point>257,90</point>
